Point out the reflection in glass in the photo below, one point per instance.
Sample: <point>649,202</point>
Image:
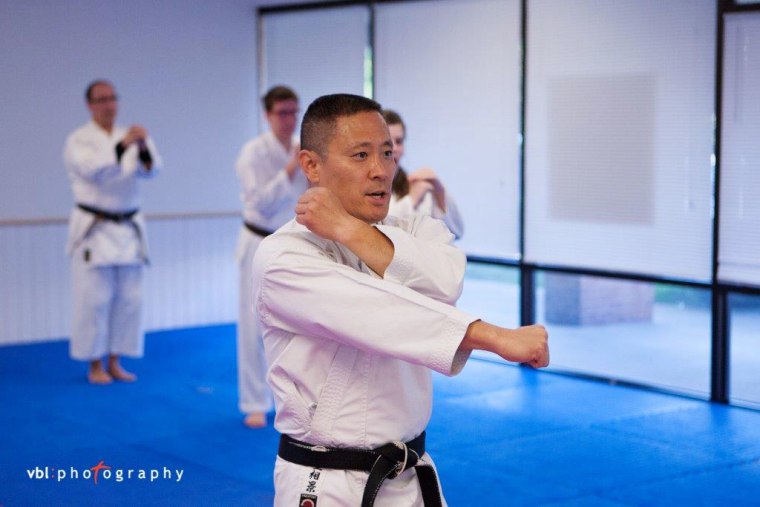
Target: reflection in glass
<point>646,333</point>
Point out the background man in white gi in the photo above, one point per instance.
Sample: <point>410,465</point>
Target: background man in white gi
<point>271,182</point>
<point>356,310</point>
<point>420,192</point>
<point>107,242</point>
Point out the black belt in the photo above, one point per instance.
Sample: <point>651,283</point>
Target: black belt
<point>386,462</point>
<point>257,230</point>
<point>109,215</point>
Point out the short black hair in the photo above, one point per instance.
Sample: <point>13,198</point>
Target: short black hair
<point>91,86</point>
<point>318,125</point>
<point>277,94</point>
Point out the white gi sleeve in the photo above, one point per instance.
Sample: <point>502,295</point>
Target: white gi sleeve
<point>424,258</point>
<point>402,207</point>
<point>90,159</point>
<point>304,292</point>
<point>450,217</point>
<point>266,195</point>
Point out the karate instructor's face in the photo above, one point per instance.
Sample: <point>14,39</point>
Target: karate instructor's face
<point>359,167</point>
<point>103,105</point>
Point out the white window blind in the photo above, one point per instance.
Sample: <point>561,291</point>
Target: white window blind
<point>451,69</point>
<point>739,251</point>
<point>619,135</point>
<point>315,52</point>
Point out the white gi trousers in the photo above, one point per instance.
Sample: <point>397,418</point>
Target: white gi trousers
<point>107,310</point>
<point>254,393</point>
<point>344,488</point>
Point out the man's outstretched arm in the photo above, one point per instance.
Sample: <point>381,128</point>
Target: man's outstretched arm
<point>528,344</point>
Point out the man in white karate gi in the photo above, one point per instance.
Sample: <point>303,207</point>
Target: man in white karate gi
<point>106,241</point>
<point>271,183</point>
<point>356,310</point>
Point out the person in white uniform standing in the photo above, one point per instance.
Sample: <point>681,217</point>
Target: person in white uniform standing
<point>107,241</point>
<point>420,192</point>
<point>356,310</point>
<point>271,182</point>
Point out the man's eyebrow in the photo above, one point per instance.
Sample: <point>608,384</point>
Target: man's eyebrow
<point>369,144</point>
<point>363,144</point>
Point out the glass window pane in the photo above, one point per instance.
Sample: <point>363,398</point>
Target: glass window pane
<point>451,69</point>
<point>646,333</point>
<point>619,135</point>
<point>744,384</point>
<point>740,152</point>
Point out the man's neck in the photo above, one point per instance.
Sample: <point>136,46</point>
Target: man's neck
<point>286,142</point>
<point>108,127</point>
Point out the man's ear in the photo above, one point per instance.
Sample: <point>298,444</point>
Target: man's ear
<point>311,163</point>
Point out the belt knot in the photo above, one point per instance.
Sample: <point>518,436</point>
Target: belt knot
<point>398,455</point>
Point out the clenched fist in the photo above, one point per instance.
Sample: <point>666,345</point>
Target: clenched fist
<point>320,210</point>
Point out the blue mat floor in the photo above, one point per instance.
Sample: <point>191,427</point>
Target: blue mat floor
<point>500,435</point>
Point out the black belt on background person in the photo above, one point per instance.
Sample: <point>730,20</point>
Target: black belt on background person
<point>256,230</point>
<point>118,217</point>
<point>385,462</point>
<point>109,215</point>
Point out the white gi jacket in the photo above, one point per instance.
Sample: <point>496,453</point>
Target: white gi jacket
<point>404,208</point>
<point>350,353</point>
<point>100,181</point>
<point>268,194</point>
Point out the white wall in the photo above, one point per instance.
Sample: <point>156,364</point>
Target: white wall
<point>192,279</point>
<point>184,68</point>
